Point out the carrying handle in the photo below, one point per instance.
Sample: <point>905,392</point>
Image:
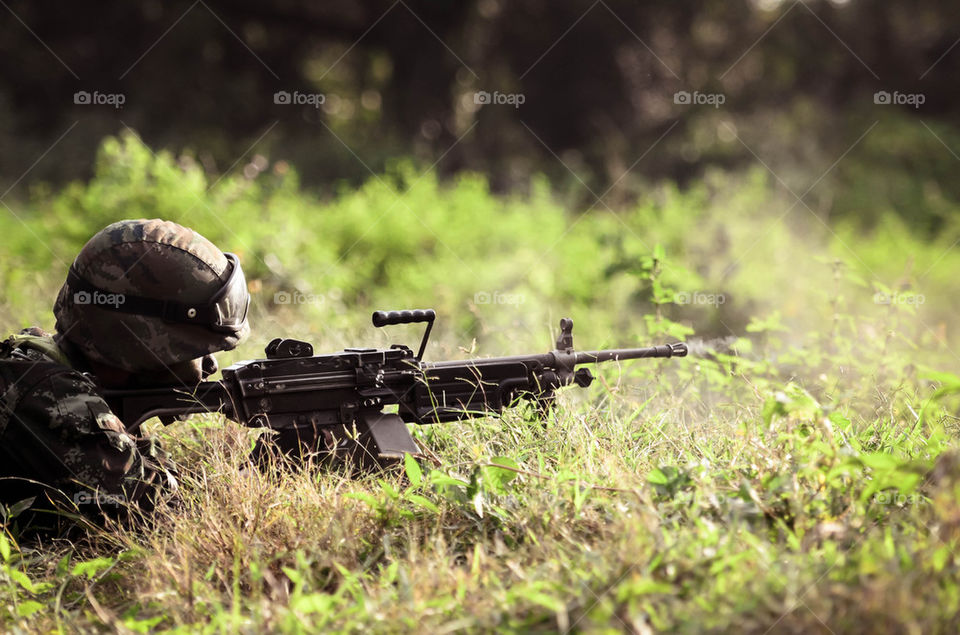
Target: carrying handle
<point>389,318</point>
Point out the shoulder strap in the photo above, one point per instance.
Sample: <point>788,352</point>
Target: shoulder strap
<point>43,344</point>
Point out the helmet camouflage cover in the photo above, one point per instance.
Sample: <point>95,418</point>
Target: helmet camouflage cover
<point>143,295</point>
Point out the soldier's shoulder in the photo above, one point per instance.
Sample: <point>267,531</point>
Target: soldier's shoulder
<point>36,381</point>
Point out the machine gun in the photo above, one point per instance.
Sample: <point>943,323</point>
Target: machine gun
<point>340,399</point>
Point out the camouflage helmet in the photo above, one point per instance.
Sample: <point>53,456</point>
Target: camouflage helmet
<point>143,295</point>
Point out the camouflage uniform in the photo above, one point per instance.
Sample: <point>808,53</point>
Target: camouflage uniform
<point>60,441</point>
<point>148,299</point>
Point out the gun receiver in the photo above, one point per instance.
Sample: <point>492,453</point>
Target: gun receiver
<point>339,399</point>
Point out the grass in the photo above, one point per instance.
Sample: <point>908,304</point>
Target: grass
<point>798,473</point>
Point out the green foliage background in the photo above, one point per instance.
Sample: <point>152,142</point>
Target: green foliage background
<point>797,470</point>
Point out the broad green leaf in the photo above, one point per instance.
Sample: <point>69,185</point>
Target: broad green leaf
<point>22,579</point>
<point>414,473</point>
<point>28,608</point>
<point>436,477</point>
<point>91,568</point>
<point>839,420</point>
<point>424,502</point>
<point>293,575</point>
<point>19,507</point>
<point>497,477</point>
<point>657,477</point>
<point>365,497</point>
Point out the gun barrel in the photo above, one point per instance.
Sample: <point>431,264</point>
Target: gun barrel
<point>541,359</point>
<point>677,349</point>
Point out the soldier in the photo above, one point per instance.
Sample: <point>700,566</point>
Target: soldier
<point>145,303</point>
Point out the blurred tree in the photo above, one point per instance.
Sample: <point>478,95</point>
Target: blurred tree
<point>598,81</point>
